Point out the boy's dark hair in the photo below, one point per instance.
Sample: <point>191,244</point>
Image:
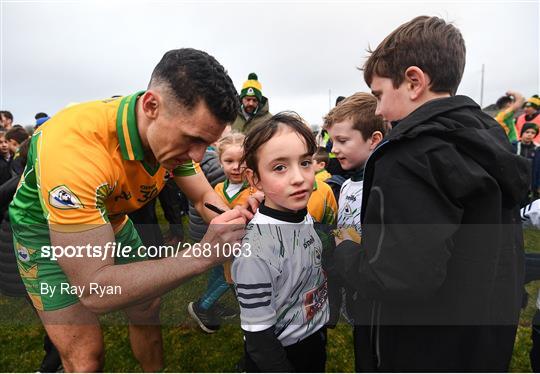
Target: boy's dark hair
<point>192,75</point>
<point>40,115</point>
<point>17,133</point>
<point>529,126</point>
<point>264,131</point>
<point>360,109</point>
<point>322,156</point>
<point>503,101</point>
<point>429,43</point>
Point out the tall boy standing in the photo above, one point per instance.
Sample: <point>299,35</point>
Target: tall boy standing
<point>441,258</point>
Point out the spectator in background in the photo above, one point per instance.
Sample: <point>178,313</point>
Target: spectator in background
<point>41,118</point>
<point>320,162</point>
<point>531,113</point>
<point>333,166</point>
<point>508,105</point>
<point>6,119</point>
<point>15,136</point>
<point>5,159</point>
<point>525,147</point>
<point>255,107</point>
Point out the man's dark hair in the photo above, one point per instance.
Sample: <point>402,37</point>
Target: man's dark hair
<point>339,99</point>
<point>40,115</point>
<point>7,114</point>
<point>193,75</point>
<point>429,43</point>
<point>17,133</point>
<point>503,101</point>
<point>262,132</point>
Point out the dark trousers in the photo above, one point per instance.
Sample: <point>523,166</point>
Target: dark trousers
<point>174,206</point>
<point>306,356</point>
<point>365,358</point>
<point>146,224</point>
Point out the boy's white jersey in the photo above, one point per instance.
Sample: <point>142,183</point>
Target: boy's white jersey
<point>350,204</point>
<point>282,282</point>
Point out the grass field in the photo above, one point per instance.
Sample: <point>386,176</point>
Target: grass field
<point>187,348</point>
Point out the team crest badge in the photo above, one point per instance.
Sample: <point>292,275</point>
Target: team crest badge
<point>23,254</point>
<point>250,91</point>
<point>62,198</point>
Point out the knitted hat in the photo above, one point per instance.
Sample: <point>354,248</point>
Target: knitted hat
<point>528,126</point>
<point>251,87</point>
<point>534,102</point>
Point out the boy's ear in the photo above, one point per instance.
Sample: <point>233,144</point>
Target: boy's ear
<point>252,178</point>
<point>417,82</point>
<point>376,138</point>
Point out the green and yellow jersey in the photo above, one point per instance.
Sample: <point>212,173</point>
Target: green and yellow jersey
<point>85,168</point>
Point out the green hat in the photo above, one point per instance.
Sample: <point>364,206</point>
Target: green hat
<point>252,87</point>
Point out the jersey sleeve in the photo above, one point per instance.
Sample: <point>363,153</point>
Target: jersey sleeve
<point>187,169</point>
<point>253,283</point>
<point>73,181</point>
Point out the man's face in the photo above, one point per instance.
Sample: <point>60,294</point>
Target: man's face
<point>529,109</point>
<point>528,136</point>
<point>393,104</point>
<point>180,135</point>
<point>250,104</point>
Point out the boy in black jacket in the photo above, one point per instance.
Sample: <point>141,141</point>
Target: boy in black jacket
<point>441,258</point>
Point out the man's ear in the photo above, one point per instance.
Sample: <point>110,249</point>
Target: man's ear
<point>417,82</point>
<point>151,104</point>
<point>252,179</point>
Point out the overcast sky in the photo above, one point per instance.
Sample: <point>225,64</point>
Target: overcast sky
<point>305,53</point>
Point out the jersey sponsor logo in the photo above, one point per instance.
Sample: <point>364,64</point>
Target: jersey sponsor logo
<point>350,198</point>
<point>62,198</point>
<point>309,242</point>
<point>124,195</point>
<point>148,192</point>
<point>315,300</point>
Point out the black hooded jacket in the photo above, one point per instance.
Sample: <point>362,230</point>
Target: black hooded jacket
<point>441,259</point>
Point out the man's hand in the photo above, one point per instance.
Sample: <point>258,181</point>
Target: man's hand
<point>228,227</point>
<point>518,99</point>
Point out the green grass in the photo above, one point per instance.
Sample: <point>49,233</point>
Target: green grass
<point>186,347</point>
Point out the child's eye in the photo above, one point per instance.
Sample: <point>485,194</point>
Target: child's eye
<point>279,168</point>
<point>306,163</point>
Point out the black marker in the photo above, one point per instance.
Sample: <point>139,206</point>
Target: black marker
<point>214,208</point>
